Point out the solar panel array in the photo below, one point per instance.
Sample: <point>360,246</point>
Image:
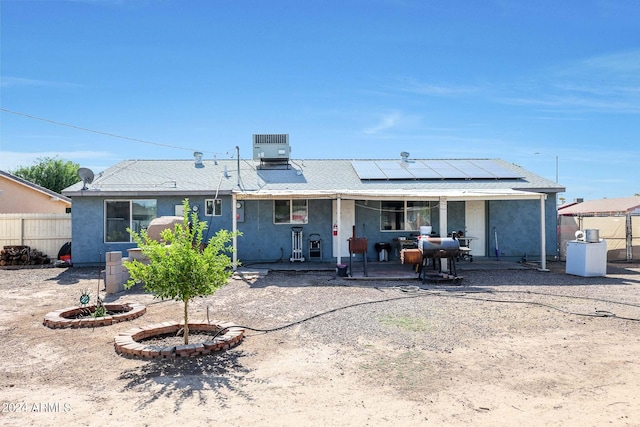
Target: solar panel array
<point>432,169</point>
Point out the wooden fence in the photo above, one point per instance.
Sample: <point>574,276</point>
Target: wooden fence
<point>44,232</point>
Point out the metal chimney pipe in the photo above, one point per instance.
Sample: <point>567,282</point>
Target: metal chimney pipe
<point>238,159</point>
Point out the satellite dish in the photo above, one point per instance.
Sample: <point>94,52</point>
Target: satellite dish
<point>86,175</point>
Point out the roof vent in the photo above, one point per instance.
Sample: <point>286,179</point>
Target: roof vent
<point>405,156</point>
<point>271,149</point>
<point>197,158</point>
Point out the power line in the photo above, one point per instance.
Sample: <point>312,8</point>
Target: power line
<point>113,135</point>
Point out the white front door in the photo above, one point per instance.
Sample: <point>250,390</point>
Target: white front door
<point>475,226</point>
<point>346,224</point>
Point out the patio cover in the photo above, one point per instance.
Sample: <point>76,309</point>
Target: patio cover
<point>451,195</point>
<point>382,194</point>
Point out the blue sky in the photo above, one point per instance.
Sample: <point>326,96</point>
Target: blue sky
<point>345,79</point>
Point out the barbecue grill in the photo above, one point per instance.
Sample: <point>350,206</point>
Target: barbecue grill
<point>436,248</point>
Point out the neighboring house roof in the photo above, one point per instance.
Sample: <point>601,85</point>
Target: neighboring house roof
<point>601,207</point>
<point>35,187</point>
<point>302,178</point>
<point>567,204</point>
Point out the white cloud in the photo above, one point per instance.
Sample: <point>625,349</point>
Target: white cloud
<point>414,86</point>
<point>387,121</point>
<point>9,81</point>
<point>605,83</point>
<point>615,63</point>
<point>574,104</point>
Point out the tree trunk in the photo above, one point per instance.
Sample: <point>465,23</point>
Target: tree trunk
<point>186,322</point>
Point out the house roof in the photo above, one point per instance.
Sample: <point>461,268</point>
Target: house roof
<point>35,187</point>
<point>301,178</point>
<point>612,207</point>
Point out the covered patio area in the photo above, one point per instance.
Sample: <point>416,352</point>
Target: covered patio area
<point>389,270</point>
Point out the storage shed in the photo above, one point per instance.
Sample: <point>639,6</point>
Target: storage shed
<point>617,219</point>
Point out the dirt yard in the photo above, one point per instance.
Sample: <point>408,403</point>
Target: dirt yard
<point>505,348</point>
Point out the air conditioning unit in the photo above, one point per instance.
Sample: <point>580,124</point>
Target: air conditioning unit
<point>271,148</point>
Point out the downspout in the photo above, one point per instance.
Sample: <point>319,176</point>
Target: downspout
<point>234,228</point>
<point>543,240</point>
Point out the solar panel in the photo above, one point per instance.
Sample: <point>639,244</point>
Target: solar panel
<point>497,170</point>
<point>432,169</point>
<point>394,170</point>
<point>446,170</point>
<point>472,170</point>
<point>368,169</point>
<point>421,171</point>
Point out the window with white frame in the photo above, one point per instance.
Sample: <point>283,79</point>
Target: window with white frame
<point>122,214</point>
<point>294,211</point>
<point>213,207</point>
<point>404,215</point>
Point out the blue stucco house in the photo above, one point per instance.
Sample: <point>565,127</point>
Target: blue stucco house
<point>294,210</point>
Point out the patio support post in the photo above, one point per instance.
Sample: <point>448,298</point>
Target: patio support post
<point>234,228</point>
<point>338,209</point>
<point>543,233</point>
<point>629,236</point>
<point>443,228</point>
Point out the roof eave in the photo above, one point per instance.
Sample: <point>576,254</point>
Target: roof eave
<point>142,193</point>
<point>452,195</point>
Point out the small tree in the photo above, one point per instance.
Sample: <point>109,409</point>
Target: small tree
<point>181,267</point>
<point>51,173</point>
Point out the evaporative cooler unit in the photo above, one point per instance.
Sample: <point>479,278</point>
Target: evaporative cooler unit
<point>271,150</point>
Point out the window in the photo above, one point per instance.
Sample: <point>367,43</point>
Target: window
<point>392,216</point>
<point>290,212</point>
<point>123,214</point>
<point>418,214</point>
<point>213,207</point>
<point>404,216</point>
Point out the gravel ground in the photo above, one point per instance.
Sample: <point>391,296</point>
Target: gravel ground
<point>506,347</point>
